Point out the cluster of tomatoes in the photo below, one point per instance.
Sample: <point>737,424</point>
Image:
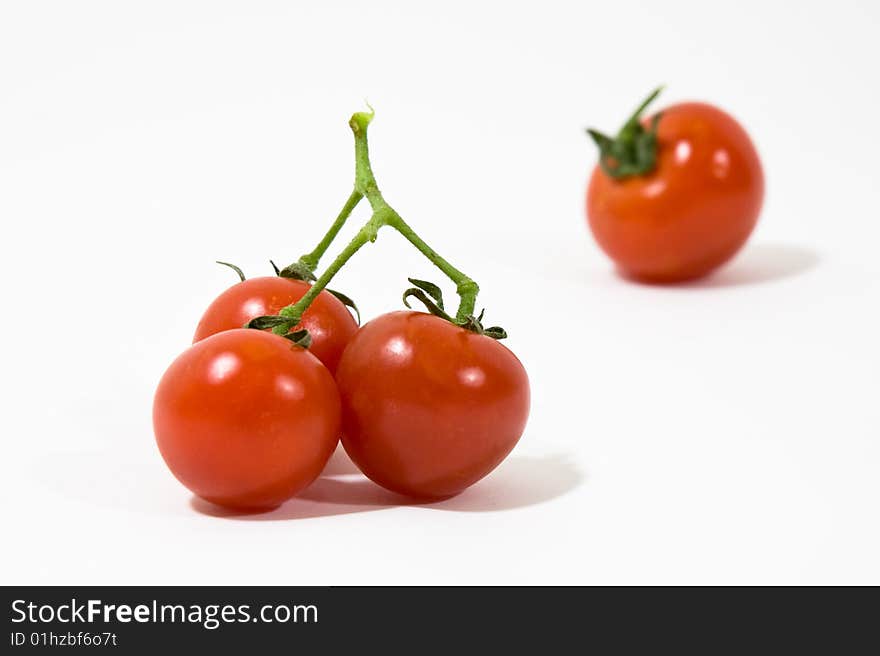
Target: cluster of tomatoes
<point>426,404</point>
<point>246,419</point>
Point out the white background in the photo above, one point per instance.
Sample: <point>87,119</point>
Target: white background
<point>721,432</point>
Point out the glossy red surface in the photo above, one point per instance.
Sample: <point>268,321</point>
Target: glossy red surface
<point>246,419</point>
<point>429,408</point>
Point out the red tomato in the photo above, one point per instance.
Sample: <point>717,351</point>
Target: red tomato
<point>429,408</point>
<point>246,419</point>
<point>328,321</point>
<point>693,211</point>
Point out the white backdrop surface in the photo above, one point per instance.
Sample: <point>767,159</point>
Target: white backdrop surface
<point>721,432</point>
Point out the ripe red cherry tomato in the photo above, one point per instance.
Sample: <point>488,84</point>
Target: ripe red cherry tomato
<point>429,408</point>
<point>328,321</point>
<point>246,419</point>
<point>696,208</point>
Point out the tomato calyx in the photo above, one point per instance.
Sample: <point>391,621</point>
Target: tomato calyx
<point>634,150</point>
<point>266,321</point>
<point>431,297</point>
<point>296,271</point>
<point>273,321</point>
<point>302,271</point>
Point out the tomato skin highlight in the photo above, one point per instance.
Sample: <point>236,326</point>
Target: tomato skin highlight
<point>429,408</point>
<point>694,211</point>
<point>328,320</point>
<point>246,419</point>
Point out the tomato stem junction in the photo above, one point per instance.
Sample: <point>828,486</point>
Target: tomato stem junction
<point>365,186</point>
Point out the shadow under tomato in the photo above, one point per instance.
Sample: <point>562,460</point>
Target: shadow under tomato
<point>518,482</point>
<point>312,503</point>
<point>755,264</point>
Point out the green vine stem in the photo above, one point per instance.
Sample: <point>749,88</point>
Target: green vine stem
<point>310,260</point>
<point>383,215</point>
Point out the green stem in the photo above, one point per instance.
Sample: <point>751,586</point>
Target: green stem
<point>296,310</point>
<point>383,215</point>
<point>466,288</point>
<point>311,260</point>
<point>365,182</point>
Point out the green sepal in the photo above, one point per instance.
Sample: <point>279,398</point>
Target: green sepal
<point>428,302</point>
<point>347,302</point>
<point>275,268</point>
<point>472,323</point>
<point>433,290</point>
<point>234,268</point>
<point>495,332</point>
<point>267,321</point>
<point>297,271</point>
<point>475,324</point>
<point>300,338</point>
